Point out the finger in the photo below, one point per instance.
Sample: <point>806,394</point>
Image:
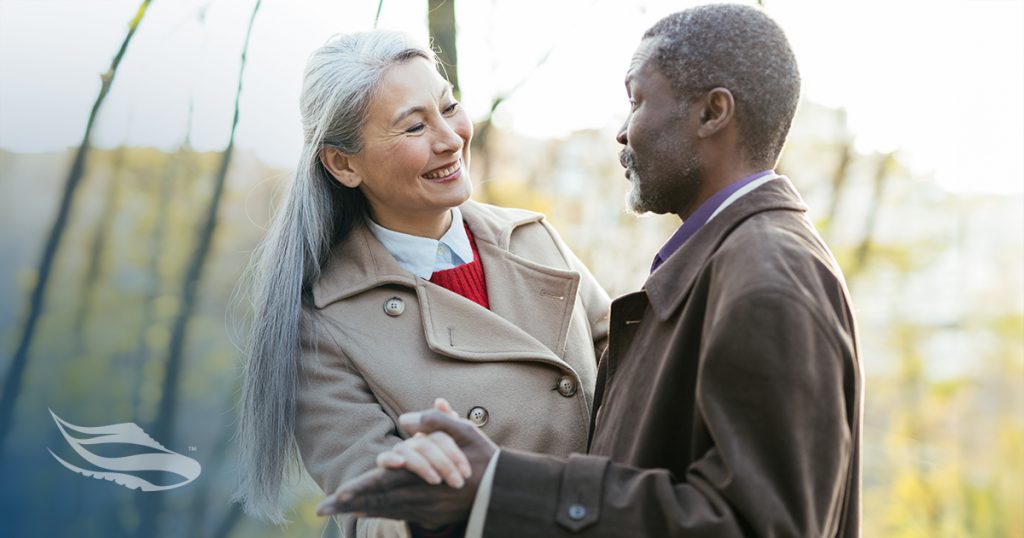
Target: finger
<point>439,459</point>
<point>390,460</point>
<point>460,430</point>
<point>452,452</point>
<point>443,406</point>
<point>417,463</point>
<point>403,503</point>
<point>370,489</point>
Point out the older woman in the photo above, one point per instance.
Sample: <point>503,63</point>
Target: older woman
<point>380,286</point>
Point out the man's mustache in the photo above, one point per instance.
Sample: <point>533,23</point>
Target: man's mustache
<point>626,159</point>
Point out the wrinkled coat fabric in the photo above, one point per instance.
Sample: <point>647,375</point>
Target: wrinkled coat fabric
<point>728,403</point>
<point>363,368</point>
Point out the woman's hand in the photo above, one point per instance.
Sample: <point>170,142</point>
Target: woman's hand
<point>430,456</point>
<point>401,494</point>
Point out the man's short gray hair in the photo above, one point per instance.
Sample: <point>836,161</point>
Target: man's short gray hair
<point>742,49</point>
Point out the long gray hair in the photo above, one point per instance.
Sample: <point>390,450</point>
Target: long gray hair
<point>340,80</point>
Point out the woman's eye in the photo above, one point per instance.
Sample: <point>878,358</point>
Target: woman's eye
<point>415,128</point>
<point>632,104</point>
<point>451,108</point>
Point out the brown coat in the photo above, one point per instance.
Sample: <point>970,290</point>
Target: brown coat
<point>366,368</point>
<point>729,400</point>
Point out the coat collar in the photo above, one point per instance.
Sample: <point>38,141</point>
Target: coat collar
<point>669,285</point>
<point>531,304</point>
<point>359,262</point>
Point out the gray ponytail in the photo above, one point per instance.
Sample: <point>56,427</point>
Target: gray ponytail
<point>340,80</point>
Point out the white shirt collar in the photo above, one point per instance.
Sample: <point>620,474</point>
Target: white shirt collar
<point>744,190</point>
<point>423,256</point>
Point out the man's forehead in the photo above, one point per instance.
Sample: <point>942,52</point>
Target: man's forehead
<point>645,52</point>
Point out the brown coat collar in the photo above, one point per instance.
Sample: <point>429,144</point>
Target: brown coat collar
<point>668,286</point>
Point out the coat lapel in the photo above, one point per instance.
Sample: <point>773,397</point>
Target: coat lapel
<point>357,264</point>
<point>533,297</point>
<point>457,327</point>
<point>531,304</point>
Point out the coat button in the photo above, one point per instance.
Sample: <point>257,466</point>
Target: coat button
<point>394,306</point>
<point>478,416</point>
<point>577,512</point>
<point>566,386</point>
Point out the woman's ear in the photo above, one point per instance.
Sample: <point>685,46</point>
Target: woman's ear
<point>339,165</point>
<point>717,110</point>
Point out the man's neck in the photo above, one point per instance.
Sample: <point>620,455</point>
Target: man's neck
<point>718,178</point>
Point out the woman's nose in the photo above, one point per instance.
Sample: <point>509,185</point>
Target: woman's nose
<point>448,139</point>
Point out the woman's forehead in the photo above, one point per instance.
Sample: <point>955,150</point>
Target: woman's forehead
<point>408,87</point>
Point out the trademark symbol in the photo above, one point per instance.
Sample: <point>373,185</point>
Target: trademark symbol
<point>192,448</point>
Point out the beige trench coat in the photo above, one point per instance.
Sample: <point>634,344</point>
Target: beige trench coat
<point>362,367</point>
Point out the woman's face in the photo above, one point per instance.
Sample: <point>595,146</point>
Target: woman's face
<point>414,163</point>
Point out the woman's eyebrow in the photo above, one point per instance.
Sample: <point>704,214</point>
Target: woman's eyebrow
<point>417,109</point>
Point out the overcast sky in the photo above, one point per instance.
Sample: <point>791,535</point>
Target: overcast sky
<point>941,80</point>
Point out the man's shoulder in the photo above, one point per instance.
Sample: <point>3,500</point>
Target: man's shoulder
<point>774,250</point>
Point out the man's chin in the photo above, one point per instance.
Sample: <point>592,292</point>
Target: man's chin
<point>640,206</point>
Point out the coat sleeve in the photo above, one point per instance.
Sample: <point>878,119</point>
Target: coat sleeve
<point>597,304</point>
<point>771,392</point>
<point>340,427</point>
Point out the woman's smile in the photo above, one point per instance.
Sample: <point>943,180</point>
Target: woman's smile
<point>445,173</point>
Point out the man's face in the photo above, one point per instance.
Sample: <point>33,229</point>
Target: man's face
<point>660,153</point>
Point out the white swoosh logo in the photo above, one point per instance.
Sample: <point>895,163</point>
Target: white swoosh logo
<point>116,469</point>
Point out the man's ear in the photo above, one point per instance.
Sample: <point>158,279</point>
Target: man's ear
<point>339,165</point>
<point>716,111</point>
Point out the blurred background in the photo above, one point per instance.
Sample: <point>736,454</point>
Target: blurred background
<point>143,146</point>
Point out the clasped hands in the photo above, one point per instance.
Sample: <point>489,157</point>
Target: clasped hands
<point>407,483</point>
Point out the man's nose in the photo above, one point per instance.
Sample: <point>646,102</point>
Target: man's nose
<point>621,137</point>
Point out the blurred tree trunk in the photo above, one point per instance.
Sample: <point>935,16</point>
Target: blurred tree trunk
<point>871,221</point>
<point>178,166</point>
<point>98,246</point>
<point>483,129</point>
<point>216,459</point>
<point>441,24</point>
<point>376,18</point>
<point>226,525</point>
<point>163,428</point>
<point>16,370</point>
<point>839,177</point>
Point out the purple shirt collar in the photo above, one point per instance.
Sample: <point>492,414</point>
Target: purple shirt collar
<point>699,217</point>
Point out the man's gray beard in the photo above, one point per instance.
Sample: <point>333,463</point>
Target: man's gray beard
<point>638,202</point>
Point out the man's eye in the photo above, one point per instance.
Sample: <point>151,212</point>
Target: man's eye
<point>451,108</point>
<point>415,128</point>
<point>632,104</point>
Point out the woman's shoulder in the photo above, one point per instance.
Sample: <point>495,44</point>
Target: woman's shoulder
<point>499,215</point>
<point>496,224</point>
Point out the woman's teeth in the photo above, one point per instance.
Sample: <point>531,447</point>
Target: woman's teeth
<point>443,173</point>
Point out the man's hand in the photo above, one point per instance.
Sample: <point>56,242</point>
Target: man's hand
<point>434,457</point>
<point>400,494</point>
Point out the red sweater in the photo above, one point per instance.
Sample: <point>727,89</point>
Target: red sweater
<point>467,279</point>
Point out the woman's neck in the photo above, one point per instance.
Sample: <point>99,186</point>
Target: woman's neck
<point>432,226</point>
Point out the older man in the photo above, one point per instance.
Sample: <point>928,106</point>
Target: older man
<point>729,399</point>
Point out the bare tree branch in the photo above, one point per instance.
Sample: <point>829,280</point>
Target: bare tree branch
<point>16,370</point>
<point>98,246</point>
<point>376,18</point>
<point>163,427</point>
<point>441,23</point>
